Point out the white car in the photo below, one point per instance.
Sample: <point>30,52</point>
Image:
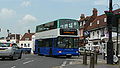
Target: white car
<point>10,50</point>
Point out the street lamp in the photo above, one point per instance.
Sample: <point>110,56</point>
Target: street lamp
<point>8,38</point>
<point>8,32</point>
<point>109,15</point>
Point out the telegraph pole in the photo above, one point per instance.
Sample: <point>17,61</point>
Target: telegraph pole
<point>110,42</point>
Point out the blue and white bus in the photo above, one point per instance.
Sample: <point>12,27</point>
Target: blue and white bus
<point>58,38</point>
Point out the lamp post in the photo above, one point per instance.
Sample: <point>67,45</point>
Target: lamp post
<point>8,32</point>
<point>117,26</point>
<point>8,37</point>
<point>110,42</point>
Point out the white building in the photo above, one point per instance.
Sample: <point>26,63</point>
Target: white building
<point>27,42</point>
<point>13,38</point>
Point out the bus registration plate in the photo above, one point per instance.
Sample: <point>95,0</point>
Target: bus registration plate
<point>68,54</point>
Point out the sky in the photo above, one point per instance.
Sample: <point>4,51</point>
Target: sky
<point>20,15</point>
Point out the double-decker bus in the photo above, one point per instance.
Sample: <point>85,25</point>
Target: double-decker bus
<point>58,38</point>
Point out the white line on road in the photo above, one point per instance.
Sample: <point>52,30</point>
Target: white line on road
<point>64,63</point>
<point>74,59</point>
<point>28,62</point>
<point>18,59</point>
<point>71,62</point>
<point>13,66</point>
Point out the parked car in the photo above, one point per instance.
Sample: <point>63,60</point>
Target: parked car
<point>10,50</point>
<point>82,51</point>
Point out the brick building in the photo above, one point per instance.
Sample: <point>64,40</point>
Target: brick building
<point>96,25</point>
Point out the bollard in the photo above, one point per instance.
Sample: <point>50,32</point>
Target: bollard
<point>104,56</point>
<point>85,58</point>
<point>92,60</point>
<point>119,62</point>
<point>95,57</point>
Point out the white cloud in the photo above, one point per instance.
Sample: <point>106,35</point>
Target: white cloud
<point>28,19</point>
<point>101,2</point>
<point>26,3</point>
<point>7,13</point>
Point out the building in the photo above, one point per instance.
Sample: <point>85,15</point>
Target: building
<point>84,23</point>
<point>14,38</point>
<point>96,25</point>
<point>27,42</point>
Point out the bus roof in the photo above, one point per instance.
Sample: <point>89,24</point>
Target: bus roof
<point>57,20</point>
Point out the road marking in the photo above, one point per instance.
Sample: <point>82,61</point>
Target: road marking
<point>64,63</point>
<point>74,59</point>
<point>71,62</point>
<point>13,66</point>
<point>18,59</point>
<point>28,62</point>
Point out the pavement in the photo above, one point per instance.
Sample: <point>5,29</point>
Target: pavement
<point>79,64</point>
<point>88,66</point>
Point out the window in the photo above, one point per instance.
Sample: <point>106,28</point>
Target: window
<point>98,22</point>
<point>13,38</point>
<point>4,45</point>
<point>25,45</point>
<point>83,23</point>
<point>95,43</point>
<point>93,33</point>
<point>27,39</point>
<point>98,33</point>
<point>61,26</point>
<point>14,45</point>
<point>64,42</point>
<point>47,26</point>
<point>75,24</point>
<point>70,25</point>
<point>66,25</point>
<point>21,45</point>
<point>80,23</point>
<point>28,45</point>
<point>102,32</point>
<point>90,24</point>
<point>105,19</point>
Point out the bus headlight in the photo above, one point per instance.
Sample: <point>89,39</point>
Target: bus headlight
<point>59,51</point>
<point>77,52</point>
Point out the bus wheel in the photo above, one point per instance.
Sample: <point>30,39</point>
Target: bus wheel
<point>68,56</point>
<point>40,55</point>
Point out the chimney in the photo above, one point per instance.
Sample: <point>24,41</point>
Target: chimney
<point>95,12</point>
<point>28,31</point>
<point>82,16</point>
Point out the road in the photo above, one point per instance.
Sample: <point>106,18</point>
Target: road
<point>34,61</point>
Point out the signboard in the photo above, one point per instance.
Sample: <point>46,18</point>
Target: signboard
<point>68,32</point>
<point>86,33</point>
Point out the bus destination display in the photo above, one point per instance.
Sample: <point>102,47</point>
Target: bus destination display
<point>68,32</point>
